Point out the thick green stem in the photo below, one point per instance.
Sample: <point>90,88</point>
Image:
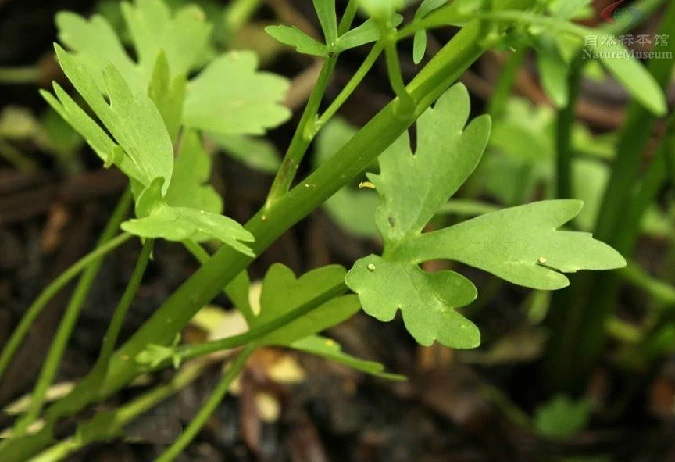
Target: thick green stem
<point>209,408</point>
<point>442,70</point>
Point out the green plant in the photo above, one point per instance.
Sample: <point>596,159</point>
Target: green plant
<point>144,108</point>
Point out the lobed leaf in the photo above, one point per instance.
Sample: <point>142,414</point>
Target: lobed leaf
<point>427,300</point>
<point>72,113</point>
<point>96,42</point>
<point>132,119</point>
<point>521,245</point>
<point>414,187</point>
<point>231,97</point>
<point>157,219</point>
<point>183,36</point>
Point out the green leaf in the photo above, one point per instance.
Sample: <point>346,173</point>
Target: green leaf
<point>360,35</point>
<point>419,45</point>
<point>132,119</point>
<point>294,37</point>
<point>191,172</point>
<point>231,97</point>
<point>257,153</point>
<point>157,219</point>
<point>325,10</point>
<point>328,348</point>
<point>167,95</point>
<point>427,300</point>
<point>521,245</point>
<point>427,6</point>
<point>183,37</point>
<point>414,187</point>
<point>282,293</point>
<point>627,70</point>
<point>553,71</point>
<point>97,44</point>
<point>72,113</point>
<point>562,418</point>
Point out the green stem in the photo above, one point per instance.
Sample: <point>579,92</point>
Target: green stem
<point>357,154</point>
<point>237,13</point>
<point>258,333</point>
<point>20,75</point>
<point>405,103</point>
<point>622,330</point>
<point>16,158</point>
<point>502,91</point>
<point>308,127</point>
<point>662,292</point>
<point>52,289</point>
<point>348,17</point>
<point>349,88</point>
<point>70,317</point>
<point>209,408</point>
<point>302,137</point>
<point>564,130</point>
<point>115,326</point>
